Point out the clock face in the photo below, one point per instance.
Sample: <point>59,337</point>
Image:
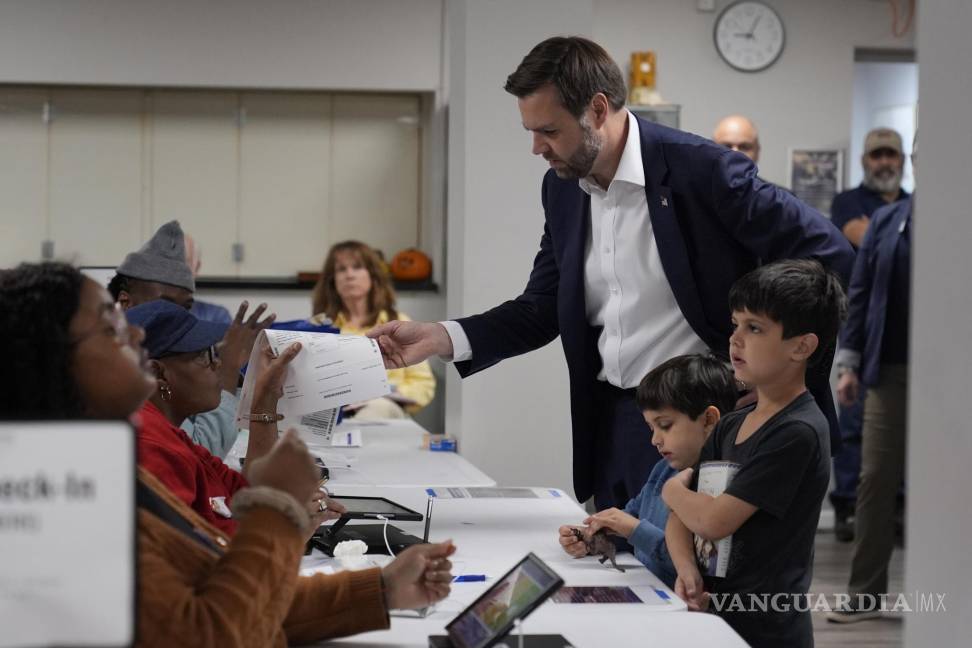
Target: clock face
<point>749,36</point>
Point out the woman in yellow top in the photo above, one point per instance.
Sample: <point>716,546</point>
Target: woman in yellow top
<point>355,294</point>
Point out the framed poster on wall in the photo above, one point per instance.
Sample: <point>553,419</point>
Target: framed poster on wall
<point>816,176</point>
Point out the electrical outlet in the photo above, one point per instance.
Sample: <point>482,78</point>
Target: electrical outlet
<point>705,5</point>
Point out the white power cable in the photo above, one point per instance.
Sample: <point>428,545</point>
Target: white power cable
<point>384,534</point>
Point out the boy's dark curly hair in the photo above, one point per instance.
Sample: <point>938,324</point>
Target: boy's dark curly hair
<point>37,303</point>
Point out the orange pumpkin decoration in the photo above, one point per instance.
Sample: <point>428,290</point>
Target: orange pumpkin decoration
<point>411,265</point>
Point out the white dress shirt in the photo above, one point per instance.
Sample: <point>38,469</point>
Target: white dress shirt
<point>625,288</point>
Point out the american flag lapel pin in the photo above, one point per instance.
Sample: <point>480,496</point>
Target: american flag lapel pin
<point>664,202</point>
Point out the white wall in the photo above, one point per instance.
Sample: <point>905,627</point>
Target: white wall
<point>884,95</point>
<point>513,419</point>
<point>940,444</point>
<point>323,44</point>
<point>804,100</point>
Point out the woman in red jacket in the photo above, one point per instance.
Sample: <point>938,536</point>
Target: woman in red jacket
<point>183,357</point>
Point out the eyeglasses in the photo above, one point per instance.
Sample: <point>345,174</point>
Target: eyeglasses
<point>208,357</point>
<point>114,316</point>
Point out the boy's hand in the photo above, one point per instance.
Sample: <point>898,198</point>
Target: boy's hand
<point>690,588</point>
<point>614,520</point>
<point>574,546</point>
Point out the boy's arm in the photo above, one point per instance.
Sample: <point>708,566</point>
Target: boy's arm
<point>688,584</point>
<point>712,518</point>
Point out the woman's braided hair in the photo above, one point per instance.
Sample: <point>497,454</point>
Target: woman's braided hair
<point>37,303</point>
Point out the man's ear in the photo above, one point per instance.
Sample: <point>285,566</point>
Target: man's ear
<point>124,299</point>
<point>806,345</point>
<point>600,107</point>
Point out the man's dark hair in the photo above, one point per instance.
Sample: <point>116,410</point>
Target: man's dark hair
<point>689,384</point>
<point>37,304</point>
<point>577,67</point>
<point>800,294</point>
<point>117,284</point>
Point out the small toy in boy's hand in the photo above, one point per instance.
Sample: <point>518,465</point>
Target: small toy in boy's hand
<point>599,543</point>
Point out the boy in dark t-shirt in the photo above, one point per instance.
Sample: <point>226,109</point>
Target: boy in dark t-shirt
<point>754,532</point>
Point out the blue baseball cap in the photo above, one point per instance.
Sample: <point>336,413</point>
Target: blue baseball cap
<point>173,329</point>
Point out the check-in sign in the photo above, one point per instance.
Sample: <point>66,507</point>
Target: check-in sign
<point>67,534</point>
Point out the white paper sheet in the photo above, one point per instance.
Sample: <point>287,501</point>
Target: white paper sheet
<point>331,370</point>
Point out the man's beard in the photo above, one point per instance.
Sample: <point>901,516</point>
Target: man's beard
<point>582,161</point>
<point>883,180</point>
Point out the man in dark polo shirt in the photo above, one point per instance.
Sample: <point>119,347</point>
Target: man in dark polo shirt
<point>883,163</point>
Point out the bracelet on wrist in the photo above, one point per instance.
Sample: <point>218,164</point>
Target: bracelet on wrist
<point>262,417</point>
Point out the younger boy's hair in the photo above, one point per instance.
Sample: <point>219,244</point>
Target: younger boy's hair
<point>689,384</point>
<point>801,295</point>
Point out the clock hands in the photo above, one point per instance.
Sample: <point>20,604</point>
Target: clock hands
<point>750,35</point>
<point>753,28</point>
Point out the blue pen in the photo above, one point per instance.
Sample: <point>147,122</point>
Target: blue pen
<point>469,578</point>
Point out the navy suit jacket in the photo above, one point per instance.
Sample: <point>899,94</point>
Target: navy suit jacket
<point>868,292</point>
<point>713,221</point>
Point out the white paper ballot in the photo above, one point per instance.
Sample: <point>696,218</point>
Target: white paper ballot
<point>67,534</point>
<point>331,370</point>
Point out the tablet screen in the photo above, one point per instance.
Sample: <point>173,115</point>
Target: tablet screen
<point>370,507</point>
<point>513,597</point>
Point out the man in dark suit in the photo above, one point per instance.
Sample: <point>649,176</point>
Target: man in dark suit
<point>646,229</point>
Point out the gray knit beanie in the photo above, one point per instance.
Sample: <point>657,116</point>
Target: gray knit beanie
<point>161,259</point>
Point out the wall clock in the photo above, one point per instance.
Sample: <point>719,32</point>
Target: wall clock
<point>749,35</point>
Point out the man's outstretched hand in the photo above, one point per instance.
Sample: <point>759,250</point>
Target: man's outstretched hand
<point>407,343</point>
